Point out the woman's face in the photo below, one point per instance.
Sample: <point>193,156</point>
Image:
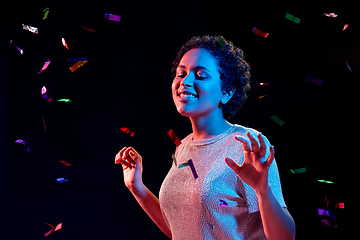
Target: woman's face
<point>196,88</point>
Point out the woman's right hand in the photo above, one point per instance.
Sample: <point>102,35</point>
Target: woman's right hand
<point>131,162</point>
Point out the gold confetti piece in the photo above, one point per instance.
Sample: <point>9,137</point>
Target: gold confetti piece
<point>77,65</point>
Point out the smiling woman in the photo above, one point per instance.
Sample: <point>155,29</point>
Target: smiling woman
<point>209,195</point>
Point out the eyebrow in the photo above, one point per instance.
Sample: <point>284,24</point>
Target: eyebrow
<point>196,68</point>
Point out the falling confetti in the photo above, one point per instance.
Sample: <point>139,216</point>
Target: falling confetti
<point>127,131</point>
<point>88,29</point>
<point>62,180</point>
<point>30,28</point>
<point>64,43</point>
<point>174,137</point>
<point>325,212</point>
<point>19,49</point>
<point>348,66</point>
<point>298,170</point>
<point>46,12</point>
<point>314,80</point>
<point>44,122</point>
<point>345,26</point>
<point>46,64</point>
<point>64,100</point>
<point>323,181</point>
<point>260,33</point>
<point>292,18</point>
<point>174,159</point>
<point>65,163</point>
<point>333,15</point>
<point>264,84</point>
<point>192,169</point>
<point>223,203</point>
<point>339,205</point>
<point>277,120</point>
<point>112,17</point>
<point>21,142</point>
<point>58,227</point>
<point>77,65</point>
<point>262,96</point>
<point>183,165</point>
<point>221,42</point>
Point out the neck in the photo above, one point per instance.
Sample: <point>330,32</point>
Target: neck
<point>208,126</point>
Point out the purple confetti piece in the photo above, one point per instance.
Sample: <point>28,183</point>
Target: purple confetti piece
<point>223,203</point>
<point>112,17</point>
<point>325,212</point>
<point>44,67</point>
<point>62,180</point>
<point>193,169</point>
<point>313,80</point>
<point>19,49</point>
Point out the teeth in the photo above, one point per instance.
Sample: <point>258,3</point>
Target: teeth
<point>187,95</point>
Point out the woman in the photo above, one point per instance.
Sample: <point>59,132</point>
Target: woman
<point>224,183</point>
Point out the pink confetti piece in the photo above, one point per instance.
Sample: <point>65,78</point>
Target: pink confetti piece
<point>333,15</point>
<point>64,43</point>
<point>264,84</point>
<point>127,131</point>
<point>46,64</point>
<point>345,26</point>
<point>21,142</point>
<point>58,227</point>
<point>65,163</point>
<point>339,205</point>
<point>314,80</point>
<point>260,33</point>
<point>19,49</point>
<point>88,29</point>
<point>223,203</point>
<point>174,137</point>
<point>112,17</point>
<point>43,90</point>
<point>192,169</point>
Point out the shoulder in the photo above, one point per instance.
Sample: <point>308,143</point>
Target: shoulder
<point>241,130</point>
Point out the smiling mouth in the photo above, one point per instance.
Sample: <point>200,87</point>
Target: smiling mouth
<point>184,97</point>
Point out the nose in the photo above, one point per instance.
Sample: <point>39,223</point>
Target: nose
<point>188,81</point>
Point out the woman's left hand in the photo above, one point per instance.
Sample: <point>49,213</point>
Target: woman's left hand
<point>255,168</point>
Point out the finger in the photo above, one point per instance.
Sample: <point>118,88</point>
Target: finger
<point>271,157</point>
<point>233,165</point>
<point>246,143</point>
<point>118,155</point>
<point>262,144</point>
<point>254,142</point>
<point>127,156</point>
<point>124,163</point>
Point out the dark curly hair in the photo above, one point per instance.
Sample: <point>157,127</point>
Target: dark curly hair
<point>234,70</point>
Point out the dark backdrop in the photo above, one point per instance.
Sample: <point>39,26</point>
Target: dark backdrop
<point>126,83</point>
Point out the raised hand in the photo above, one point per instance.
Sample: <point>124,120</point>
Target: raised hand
<point>255,168</point>
<point>131,162</point>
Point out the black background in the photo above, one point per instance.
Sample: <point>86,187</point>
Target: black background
<point>126,83</point>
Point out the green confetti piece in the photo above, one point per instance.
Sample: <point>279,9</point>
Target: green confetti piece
<point>221,42</point>
<point>277,120</point>
<point>183,165</point>
<point>326,181</point>
<point>292,18</point>
<point>64,100</point>
<point>173,158</point>
<point>46,11</point>
<point>298,170</point>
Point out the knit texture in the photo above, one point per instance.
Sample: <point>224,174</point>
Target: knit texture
<point>217,204</point>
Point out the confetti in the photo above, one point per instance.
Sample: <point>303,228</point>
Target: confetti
<point>325,212</point>
<point>30,28</point>
<point>174,159</point>
<point>277,120</point>
<point>330,223</point>
<point>221,42</point>
<point>62,180</point>
<point>70,60</point>
<point>298,170</point>
<point>88,29</point>
<point>262,96</point>
<point>46,64</point>
<point>45,96</point>
<point>43,90</point>
<point>193,169</point>
<point>174,137</point>
<point>339,205</point>
<point>77,65</point>
<point>348,66</point>
<point>21,142</point>
<point>323,181</point>
<point>314,80</point>
<point>58,227</point>
<point>223,203</point>
<point>65,44</point>
<point>264,84</point>
<point>260,33</point>
<point>127,131</point>
<point>19,49</point>
<point>65,163</point>
<point>44,122</point>
<point>64,100</point>
<point>183,165</point>
<point>345,26</point>
<point>112,17</point>
<point>292,18</point>
<point>46,12</point>
<point>333,15</point>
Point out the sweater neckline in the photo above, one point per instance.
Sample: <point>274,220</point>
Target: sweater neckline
<point>212,139</point>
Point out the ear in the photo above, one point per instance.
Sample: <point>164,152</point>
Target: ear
<point>227,94</point>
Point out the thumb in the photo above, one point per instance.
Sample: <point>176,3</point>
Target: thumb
<point>233,165</point>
